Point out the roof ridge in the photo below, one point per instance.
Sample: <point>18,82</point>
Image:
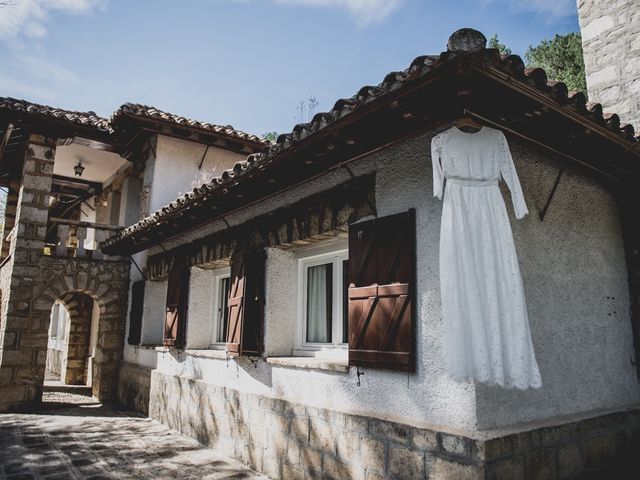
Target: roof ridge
<point>150,111</point>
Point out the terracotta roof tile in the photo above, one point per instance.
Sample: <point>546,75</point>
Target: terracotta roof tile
<point>86,119</point>
<point>144,111</point>
<point>512,65</point>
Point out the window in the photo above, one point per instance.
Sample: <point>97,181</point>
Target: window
<point>321,300</point>
<point>135,312</point>
<point>221,284</point>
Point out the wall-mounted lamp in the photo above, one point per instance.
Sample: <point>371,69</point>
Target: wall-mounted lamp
<point>79,168</point>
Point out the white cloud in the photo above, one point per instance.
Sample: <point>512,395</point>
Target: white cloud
<point>551,10</point>
<point>35,77</point>
<point>29,17</point>
<point>364,12</point>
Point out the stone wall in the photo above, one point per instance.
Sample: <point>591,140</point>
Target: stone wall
<point>611,44</point>
<point>32,282</point>
<point>134,383</point>
<point>289,440</point>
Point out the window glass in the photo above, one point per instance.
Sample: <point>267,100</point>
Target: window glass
<point>320,303</point>
<point>223,311</point>
<point>345,301</point>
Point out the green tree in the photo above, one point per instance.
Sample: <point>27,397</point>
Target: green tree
<point>494,42</point>
<point>270,136</point>
<point>561,58</point>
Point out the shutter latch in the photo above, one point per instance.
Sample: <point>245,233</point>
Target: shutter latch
<point>359,373</point>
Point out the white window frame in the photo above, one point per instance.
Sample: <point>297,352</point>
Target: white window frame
<point>218,276</point>
<point>335,349</point>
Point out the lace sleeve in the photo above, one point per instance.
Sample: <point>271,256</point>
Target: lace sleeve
<point>438,176</point>
<point>508,171</point>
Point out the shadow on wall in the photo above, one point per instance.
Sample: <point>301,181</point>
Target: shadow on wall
<point>275,437</point>
<point>252,366</point>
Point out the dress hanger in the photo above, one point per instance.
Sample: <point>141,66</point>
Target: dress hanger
<point>468,122</point>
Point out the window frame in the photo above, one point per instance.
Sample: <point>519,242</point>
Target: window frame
<point>219,274</point>
<point>336,256</point>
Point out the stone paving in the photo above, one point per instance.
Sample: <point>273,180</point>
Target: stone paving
<point>74,437</point>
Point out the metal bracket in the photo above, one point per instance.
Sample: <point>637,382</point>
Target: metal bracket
<point>359,373</point>
<point>373,208</point>
<point>543,213</point>
<point>144,277</point>
<point>203,157</point>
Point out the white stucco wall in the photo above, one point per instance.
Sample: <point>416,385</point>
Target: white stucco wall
<point>176,168</point>
<point>571,263</point>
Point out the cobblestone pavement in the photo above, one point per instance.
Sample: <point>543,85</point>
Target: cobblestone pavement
<point>90,441</point>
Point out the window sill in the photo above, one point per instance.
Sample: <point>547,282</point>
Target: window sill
<point>219,354</point>
<point>310,363</point>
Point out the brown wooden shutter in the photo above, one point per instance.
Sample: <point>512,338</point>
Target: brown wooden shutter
<point>382,292</point>
<point>246,303</point>
<point>175,324</point>
<point>135,313</point>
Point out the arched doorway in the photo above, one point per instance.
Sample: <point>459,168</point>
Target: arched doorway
<point>72,339</point>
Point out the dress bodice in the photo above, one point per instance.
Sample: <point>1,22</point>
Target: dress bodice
<point>466,158</point>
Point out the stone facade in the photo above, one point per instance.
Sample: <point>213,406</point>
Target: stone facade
<point>134,383</point>
<point>611,43</point>
<point>288,440</point>
<point>31,283</point>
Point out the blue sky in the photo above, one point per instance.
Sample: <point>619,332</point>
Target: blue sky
<point>241,62</point>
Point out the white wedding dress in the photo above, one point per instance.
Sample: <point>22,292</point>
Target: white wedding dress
<point>486,329</point>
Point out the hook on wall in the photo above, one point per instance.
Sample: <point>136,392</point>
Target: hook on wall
<point>359,373</point>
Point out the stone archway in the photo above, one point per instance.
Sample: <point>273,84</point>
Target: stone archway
<point>78,338</point>
<point>106,283</point>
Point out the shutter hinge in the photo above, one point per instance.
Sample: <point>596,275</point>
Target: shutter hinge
<point>359,373</point>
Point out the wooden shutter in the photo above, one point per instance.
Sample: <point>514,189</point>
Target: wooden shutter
<point>382,292</point>
<point>175,324</point>
<point>246,303</point>
<point>135,313</point>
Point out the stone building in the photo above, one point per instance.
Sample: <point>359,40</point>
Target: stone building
<point>73,179</point>
<point>225,353</point>
<point>217,305</point>
<point>611,44</point>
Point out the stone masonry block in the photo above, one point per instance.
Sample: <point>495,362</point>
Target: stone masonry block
<point>310,459</point>
<point>541,465</point>
<point>6,377</point>
<point>12,395</point>
<point>292,472</point>
<point>10,339</point>
<point>347,443</point>
<point>395,432</point>
<point>12,357</point>
<point>441,468</point>
<point>455,445</point>
<point>300,428</point>
<point>335,469</point>
<point>372,453</point>
<point>293,452</point>
<point>322,435</point>
<point>507,469</point>
<point>599,450</point>
<point>357,423</point>
<point>569,461</point>
<point>406,463</point>
<point>276,421</point>
<point>424,439</point>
